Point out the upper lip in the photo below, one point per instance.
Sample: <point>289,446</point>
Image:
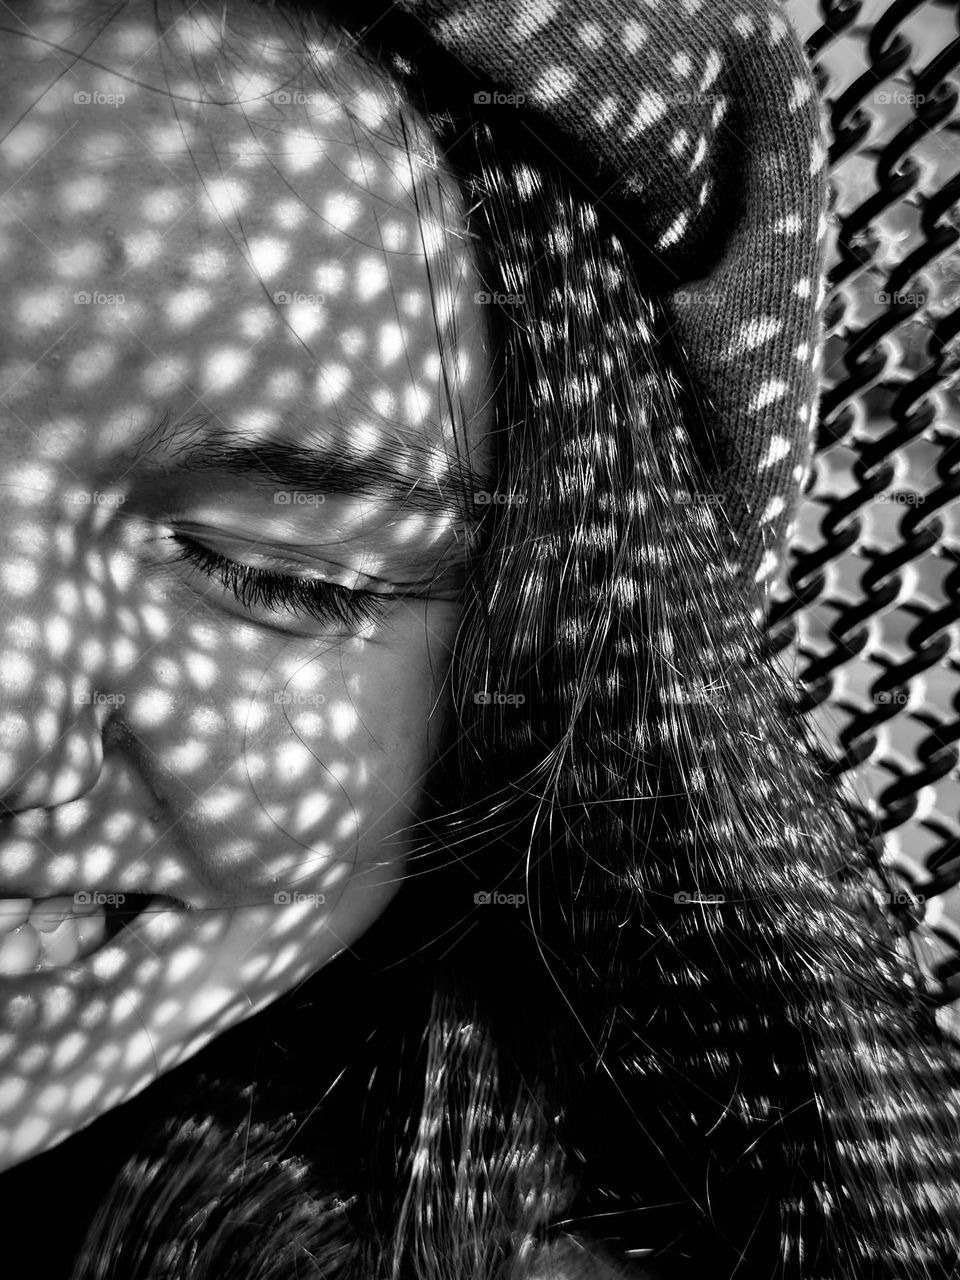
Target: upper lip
<point>123,880</point>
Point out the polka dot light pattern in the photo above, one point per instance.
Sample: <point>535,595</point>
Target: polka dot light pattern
<point>697,123</point>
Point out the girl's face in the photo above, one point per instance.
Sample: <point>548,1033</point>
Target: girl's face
<point>221,674</point>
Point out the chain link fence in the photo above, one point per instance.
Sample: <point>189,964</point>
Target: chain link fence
<point>869,617</point>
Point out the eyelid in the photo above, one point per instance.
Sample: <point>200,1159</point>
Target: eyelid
<point>326,602</point>
<point>272,562</point>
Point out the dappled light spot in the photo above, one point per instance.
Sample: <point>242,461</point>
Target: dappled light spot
<point>165,377</point>
<point>383,402</point>
<point>144,247</point>
<point>332,382</point>
<point>33,1133</point>
<point>79,259</point>
<point>267,254</point>
<point>85,1090</point>
<point>188,306</point>
<point>305,320</point>
<point>12,1091</point>
<point>412,305</point>
<point>415,405</point>
<point>25,145</point>
<point>289,214</point>
<point>300,151</point>
<point>391,344</point>
<point>164,205</point>
<point>93,365</point>
<point>38,309</point>
<point>223,369</point>
<point>194,34</point>
<point>18,578</point>
<point>52,1098</point>
<point>353,342</point>
<point>152,707</point>
<point>130,41</point>
<point>31,1060</point>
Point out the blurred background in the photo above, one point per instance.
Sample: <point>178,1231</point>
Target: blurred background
<point>869,620</point>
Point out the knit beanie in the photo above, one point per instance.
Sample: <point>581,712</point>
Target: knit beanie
<point>697,124</point>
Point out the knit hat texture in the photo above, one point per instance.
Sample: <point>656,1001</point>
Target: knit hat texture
<point>698,122</point>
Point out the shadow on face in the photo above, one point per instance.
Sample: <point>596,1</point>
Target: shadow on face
<point>244,387</point>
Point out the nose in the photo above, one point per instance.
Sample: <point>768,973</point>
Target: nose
<point>51,755</point>
<point>57,634</point>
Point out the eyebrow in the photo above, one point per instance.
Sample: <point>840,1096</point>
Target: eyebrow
<point>402,472</point>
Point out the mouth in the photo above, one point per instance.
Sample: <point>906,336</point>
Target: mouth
<point>57,933</point>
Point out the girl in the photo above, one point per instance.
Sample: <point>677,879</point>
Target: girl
<point>515,930</point>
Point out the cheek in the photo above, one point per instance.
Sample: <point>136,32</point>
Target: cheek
<point>282,783</point>
<point>289,772</point>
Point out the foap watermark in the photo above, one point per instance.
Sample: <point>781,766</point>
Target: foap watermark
<point>698,297</point>
<point>494,698</point>
<point>691,97</point>
<point>298,98</point>
<point>96,899</point>
<point>495,498</point>
<point>297,698</point>
<point>94,498</point>
<point>95,298</point>
<point>892,697</point>
<point>905,901</point>
<point>100,699</point>
<point>704,694</point>
<point>494,98</point>
<point>486,299</point>
<point>494,898</point>
<point>900,297</point>
<point>903,898</point>
<point>898,98</point>
<point>298,498</point>
<point>698,499</point>
<point>294,298</point>
<point>708,899</point>
<point>94,98</point>
<point>293,898</point>
<point>902,497</point>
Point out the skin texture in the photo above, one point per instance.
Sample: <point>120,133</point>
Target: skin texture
<point>158,735</point>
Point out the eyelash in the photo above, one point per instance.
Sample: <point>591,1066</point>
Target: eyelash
<point>325,601</point>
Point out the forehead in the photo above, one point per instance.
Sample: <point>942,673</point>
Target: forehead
<point>194,215</point>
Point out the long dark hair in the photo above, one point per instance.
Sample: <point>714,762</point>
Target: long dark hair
<point>688,1035</point>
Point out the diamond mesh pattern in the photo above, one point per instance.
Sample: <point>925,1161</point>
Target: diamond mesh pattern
<point>869,619</point>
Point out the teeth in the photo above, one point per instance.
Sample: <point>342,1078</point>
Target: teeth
<point>48,914</point>
<point>60,945</point>
<point>20,950</point>
<point>13,913</point>
<point>91,929</point>
<point>47,933</point>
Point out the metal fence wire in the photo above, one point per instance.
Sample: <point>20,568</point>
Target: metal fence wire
<point>869,615</point>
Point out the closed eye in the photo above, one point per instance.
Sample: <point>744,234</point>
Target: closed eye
<point>267,589</point>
